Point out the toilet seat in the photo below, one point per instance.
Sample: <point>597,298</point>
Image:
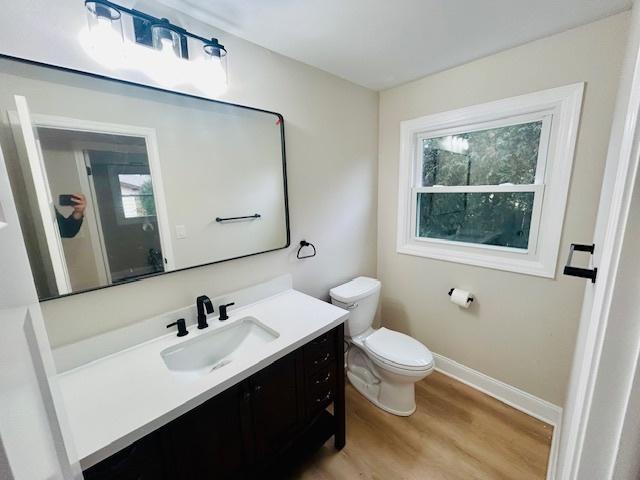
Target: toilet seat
<point>398,351</point>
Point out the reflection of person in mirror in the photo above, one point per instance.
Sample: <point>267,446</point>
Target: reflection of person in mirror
<point>70,226</point>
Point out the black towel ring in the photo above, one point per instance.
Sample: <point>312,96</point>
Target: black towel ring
<point>304,243</point>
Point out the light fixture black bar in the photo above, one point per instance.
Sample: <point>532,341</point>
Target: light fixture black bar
<point>246,217</point>
<point>151,18</point>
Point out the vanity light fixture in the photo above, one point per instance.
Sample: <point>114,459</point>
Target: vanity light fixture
<point>171,43</point>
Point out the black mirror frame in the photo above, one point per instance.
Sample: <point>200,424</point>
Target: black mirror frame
<point>187,95</point>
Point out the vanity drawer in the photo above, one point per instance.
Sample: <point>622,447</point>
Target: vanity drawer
<point>320,388</point>
<point>320,352</point>
<point>320,398</point>
<point>322,379</point>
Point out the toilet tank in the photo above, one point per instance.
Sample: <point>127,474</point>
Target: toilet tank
<point>360,296</point>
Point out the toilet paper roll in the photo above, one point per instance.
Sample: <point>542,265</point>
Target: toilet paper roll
<point>462,298</point>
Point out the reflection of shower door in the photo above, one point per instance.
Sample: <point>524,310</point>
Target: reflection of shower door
<point>124,205</point>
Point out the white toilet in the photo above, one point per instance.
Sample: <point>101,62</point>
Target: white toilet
<point>383,365</point>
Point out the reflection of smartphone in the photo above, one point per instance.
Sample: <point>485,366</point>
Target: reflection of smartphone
<point>66,200</point>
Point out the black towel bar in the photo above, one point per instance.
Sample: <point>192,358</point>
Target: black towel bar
<point>230,219</point>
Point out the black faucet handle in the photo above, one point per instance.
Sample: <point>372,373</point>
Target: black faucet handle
<point>182,327</point>
<point>223,310</point>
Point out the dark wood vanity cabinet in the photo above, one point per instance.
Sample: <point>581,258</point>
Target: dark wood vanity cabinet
<point>276,404</point>
<point>140,461</point>
<point>251,428</point>
<point>208,441</point>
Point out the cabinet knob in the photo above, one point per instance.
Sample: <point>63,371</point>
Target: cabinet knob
<point>325,398</point>
<point>323,359</point>
<point>325,379</point>
<point>246,396</point>
<point>257,388</point>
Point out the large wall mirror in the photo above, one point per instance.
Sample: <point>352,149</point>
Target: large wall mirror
<point>115,182</point>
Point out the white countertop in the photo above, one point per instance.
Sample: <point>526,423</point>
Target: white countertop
<point>116,400</point>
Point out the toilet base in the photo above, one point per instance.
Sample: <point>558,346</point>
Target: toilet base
<point>396,399</point>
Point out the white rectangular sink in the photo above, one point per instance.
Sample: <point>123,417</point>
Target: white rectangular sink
<point>215,349</point>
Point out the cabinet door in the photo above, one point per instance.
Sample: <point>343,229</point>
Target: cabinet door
<point>209,441</point>
<point>141,461</point>
<point>276,404</point>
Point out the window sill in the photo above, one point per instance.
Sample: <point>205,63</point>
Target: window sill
<point>466,255</point>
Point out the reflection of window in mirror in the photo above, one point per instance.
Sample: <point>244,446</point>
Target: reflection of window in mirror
<point>131,186</point>
<point>136,192</point>
<point>122,187</point>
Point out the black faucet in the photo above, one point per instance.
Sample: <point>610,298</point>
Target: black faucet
<point>182,327</point>
<point>223,310</point>
<point>203,303</point>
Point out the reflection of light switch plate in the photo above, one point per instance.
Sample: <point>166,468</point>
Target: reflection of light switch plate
<point>181,231</point>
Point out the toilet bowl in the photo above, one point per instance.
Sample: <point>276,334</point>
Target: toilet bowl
<point>383,365</point>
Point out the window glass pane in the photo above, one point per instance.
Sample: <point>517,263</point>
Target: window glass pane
<point>137,195</point>
<point>501,219</point>
<point>487,157</point>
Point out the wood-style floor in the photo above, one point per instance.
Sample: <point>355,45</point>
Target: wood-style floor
<point>457,433</point>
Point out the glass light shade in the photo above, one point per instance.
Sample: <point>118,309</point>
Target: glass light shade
<point>104,39</point>
<point>166,40</point>
<point>216,59</point>
<point>105,22</point>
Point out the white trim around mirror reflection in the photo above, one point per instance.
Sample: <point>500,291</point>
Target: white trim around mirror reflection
<point>152,150</point>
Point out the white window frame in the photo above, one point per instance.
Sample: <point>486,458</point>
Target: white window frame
<point>559,110</point>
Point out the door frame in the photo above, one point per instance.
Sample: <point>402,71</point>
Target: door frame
<point>21,121</point>
<point>615,201</point>
<point>151,140</point>
<point>93,223</point>
<point>100,250</point>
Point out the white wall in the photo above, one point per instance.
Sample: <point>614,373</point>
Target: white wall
<point>331,141</point>
<point>522,329</point>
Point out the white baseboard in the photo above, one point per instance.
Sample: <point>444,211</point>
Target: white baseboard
<point>512,396</point>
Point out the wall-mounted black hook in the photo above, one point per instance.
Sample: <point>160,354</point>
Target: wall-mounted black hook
<point>304,243</point>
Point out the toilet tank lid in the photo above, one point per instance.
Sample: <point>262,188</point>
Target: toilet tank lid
<point>355,290</point>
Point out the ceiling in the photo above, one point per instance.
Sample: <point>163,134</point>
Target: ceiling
<point>383,43</point>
